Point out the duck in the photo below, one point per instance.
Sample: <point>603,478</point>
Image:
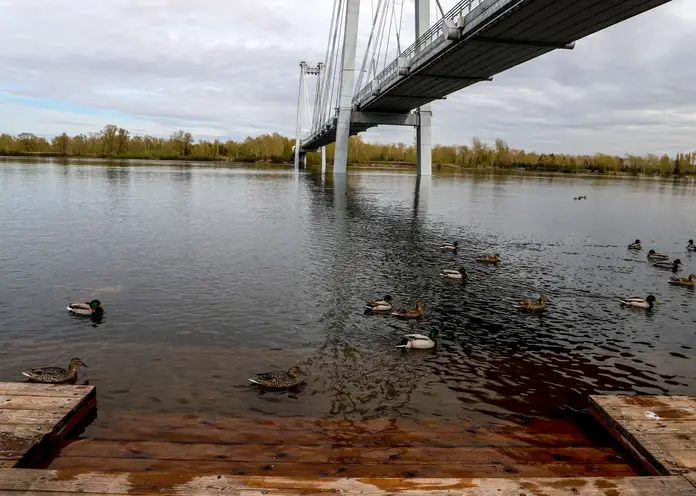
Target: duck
<point>455,274</point>
<point>653,255</point>
<point>379,305</point>
<point>453,246</point>
<point>93,308</point>
<point>673,266</point>
<point>278,380</point>
<point>636,302</point>
<point>492,259</point>
<point>691,246</point>
<point>533,305</point>
<point>409,313</point>
<point>689,282</point>
<point>419,341</point>
<point>55,375</point>
<point>635,246</point>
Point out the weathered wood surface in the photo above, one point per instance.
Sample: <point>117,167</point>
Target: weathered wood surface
<point>659,430</point>
<point>37,415</point>
<point>322,432</point>
<point>320,448</point>
<point>59,483</point>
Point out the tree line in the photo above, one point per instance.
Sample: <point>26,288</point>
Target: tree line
<point>116,142</point>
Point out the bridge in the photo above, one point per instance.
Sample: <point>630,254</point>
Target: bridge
<point>469,44</point>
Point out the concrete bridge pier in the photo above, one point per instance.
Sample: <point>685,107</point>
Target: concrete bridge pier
<point>424,143</point>
<point>345,106</point>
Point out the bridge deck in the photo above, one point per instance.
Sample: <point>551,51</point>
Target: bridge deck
<point>497,35</point>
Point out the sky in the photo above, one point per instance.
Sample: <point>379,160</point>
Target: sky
<point>229,69</point>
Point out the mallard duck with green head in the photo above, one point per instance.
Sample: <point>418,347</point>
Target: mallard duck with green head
<point>653,255</point>
<point>453,246</point>
<point>383,305</point>
<point>419,341</point>
<point>533,305</point>
<point>636,302</point>
<point>673,266</point>
<point>93,308</point>
<point>691,246</point>
<point>55,375</point>
<point>635,246</point>
<point>455,274</point>
<point>491,259</point>
<point>410,313</point>
<point>278,380</point>
<point>689,282</point>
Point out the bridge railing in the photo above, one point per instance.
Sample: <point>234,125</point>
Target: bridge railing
<point>428,38</point>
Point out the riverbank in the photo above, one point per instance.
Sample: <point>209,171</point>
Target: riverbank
<point>438,168</point>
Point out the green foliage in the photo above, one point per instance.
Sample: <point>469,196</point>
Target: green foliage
<point>115,142</point>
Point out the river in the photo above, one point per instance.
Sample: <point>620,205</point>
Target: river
<point>210,274</point>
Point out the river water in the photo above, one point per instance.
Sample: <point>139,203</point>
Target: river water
<point>210,274</point>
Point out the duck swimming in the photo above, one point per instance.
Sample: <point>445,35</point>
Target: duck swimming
<point>55,375</point>
<point>635,246</point>
<point>419,341</point>
<point>455,274</point>
<point>409,313</point>
<point>673,266</point>
<point>93,308</point>
<point>533,305</point>
<point>379,305</point>
<point>648,302</point>
<point>454,246</point>
<point>278,380</point>
<point>689,282</point>
<point>653,255</point>
<point>691,246</point>
<point>492,259</point>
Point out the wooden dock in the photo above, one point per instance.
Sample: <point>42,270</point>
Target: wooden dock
<point>659,431</point>
<point>185,454</point>
<point>34,417</point>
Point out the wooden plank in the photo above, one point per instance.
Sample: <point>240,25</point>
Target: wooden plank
<point>307,433</point>
<point>52,483</point>
<point>691,477</point>
<point>50,390</point>
<point>331,454</point>
<point>43,403</point>
<point>658,430</point>
<point>314,470</point>
<point>30,417</point>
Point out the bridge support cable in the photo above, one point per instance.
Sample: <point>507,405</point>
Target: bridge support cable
<point>298,126</point>
<point>424,144</point>
<point>350,40</point>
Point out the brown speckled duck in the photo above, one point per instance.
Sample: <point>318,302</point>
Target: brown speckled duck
<point>55,375</point>
<point>278,380</point>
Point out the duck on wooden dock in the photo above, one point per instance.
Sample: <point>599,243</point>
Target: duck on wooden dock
<point>55,375</point>
<point>419,341</point>
<point>410,313</point>
<point>635,245</point>
<point>533,305</point>
<point>278,380</point>
<point>636,302</point>
<point>455,274</point>
<point>689,282</point>
<point>93,308</point>
<point>653,255</point>
<point>383,305</point>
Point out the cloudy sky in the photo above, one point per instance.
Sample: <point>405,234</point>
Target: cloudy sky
<point>229,69</point>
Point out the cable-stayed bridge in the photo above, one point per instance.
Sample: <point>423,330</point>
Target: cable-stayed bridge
<point>470,43</point>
